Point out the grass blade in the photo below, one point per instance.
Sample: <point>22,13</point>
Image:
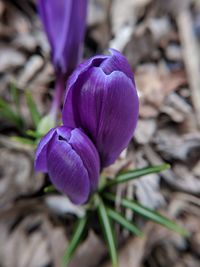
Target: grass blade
<point>107,230</point>
<point>149,214</point>
<point>35,115</point>
<point>15,96</point>
<point>24,141</point>
<point>76,238</point>
<point>130,175</point>
<point>124,222</point>
<point>7,113</point>
<point>34,134</point>
<point>45,124</point>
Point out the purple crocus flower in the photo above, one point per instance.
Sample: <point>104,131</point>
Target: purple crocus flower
<point>71,160</point>
<point>64,22</point>
<point>102,99</point>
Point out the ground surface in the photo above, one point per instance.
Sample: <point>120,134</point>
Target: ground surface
<point>161,40</point>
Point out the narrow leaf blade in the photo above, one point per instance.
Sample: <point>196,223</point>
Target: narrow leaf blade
<point>23,140</point>
<point>15,96</point>
<point>76,238</point>
<point>34,134</point>
<point>7,112</point>
<point>130,175</point>
<point>35,115</point>
<point>109,236</point>
<point>124,222</point>
<point>149,214</point>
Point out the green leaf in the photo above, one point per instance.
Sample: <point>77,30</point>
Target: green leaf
<point>76,239</point>
<point>49,189</point>
<point>130,175</point>
<point>23,140</point>
<point>45,124</point>
<point>15,96</point>
<point>35,115</point>
<point>148,214</point>
<point>7,113</point>
<point>124,222</point>
<point>107,230</point>
<point>102,183</point>
<point>34,134</point>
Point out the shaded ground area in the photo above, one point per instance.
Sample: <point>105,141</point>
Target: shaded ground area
<point>161,40</point>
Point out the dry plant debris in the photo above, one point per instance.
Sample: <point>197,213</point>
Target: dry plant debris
<point>161,40</point>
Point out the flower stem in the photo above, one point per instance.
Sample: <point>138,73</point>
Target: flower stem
<point>58,94</point>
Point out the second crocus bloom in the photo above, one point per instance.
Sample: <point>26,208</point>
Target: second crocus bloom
<point>71,160</point>
<point>102,99</point>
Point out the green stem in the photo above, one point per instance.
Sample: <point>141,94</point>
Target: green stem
<point>78,233</point>
<point>107,230</point>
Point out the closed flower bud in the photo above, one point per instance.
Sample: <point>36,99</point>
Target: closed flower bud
<point>71,160</point>
<point>64,22</point>
<point>102,100</point>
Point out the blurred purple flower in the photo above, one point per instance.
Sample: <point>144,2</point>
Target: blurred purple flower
<point>64,22</point>
<point>71,160</point>
<point>102,100</point>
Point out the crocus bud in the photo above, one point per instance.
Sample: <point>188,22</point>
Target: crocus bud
<point>102,99</point>
<point>71,160</point>
<point>64,22</point>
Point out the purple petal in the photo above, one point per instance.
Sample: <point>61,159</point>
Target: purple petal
<point>88,153</point>
<point>64,132</point>
<point>76,80</point>
<point>119,116</point>
<point>53,14</point>
<point>117,62</point>
<point>87,95</point>
<point>67,172</point>
<point>83,68</point>
<point>64,22</point>
<point>75,36</point>
<point>41,152</point>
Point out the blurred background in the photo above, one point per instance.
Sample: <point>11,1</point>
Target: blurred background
<point>161,40</point>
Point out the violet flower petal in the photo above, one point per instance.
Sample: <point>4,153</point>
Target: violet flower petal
<point>89,155</point>
<point>77,79</point>
<point>67,172</point>
<point>117,62</point>
<point>41,152</point>
<point>64,23</point>
<point>118,119</point>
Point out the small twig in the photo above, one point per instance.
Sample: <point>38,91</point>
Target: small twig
<point>191,56</point>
